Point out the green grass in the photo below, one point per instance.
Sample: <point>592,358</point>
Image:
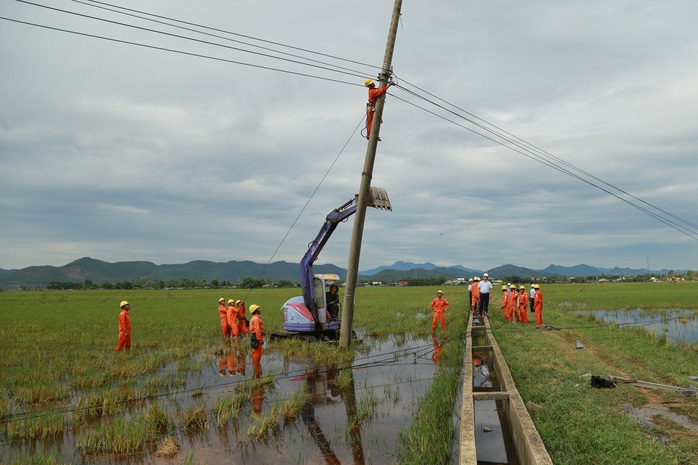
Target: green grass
<point>58,352</point>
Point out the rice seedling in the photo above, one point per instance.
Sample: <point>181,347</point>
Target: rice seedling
<point>292,407</point>
<point>266,424</point>
<point>195,419</point>
<point>228,408</point>
<point>48,424</point>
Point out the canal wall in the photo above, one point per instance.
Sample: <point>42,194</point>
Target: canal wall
<point>520,437</point>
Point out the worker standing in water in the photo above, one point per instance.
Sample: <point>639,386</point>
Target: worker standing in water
<point>439,306</point>
<point>538,305</point>
<point>223,315</point>
<point>373,95</point>
<point>256,337</point>
<point>231,318</point>
<point>242,318</point>
<point>124,327</point>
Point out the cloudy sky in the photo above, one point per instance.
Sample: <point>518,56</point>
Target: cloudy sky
<point>124,152</point>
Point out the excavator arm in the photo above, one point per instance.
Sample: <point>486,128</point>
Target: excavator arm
<point>378,198</point>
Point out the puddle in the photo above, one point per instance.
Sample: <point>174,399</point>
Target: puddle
<point>644,415</point>
<point>356,422</point>
<point>677,325</point>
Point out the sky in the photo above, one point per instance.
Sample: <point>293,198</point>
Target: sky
<point>122,152</point>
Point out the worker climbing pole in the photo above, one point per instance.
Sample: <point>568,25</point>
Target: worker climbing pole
<point>373,95</point>
<point>364,190</point>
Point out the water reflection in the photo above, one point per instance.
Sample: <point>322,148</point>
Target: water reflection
<point>438,347</point>
<point>677,325</point>
<point>232,359</point>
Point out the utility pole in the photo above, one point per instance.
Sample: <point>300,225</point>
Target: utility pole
<point>366,175</point>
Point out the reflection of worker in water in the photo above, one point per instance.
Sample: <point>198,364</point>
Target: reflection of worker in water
<point>124,341</point>
<point>236,359</point>
<point>333,301</point>
<point>223,361</point>
<point>438,347</point>
<point>439,307</point>
<point>256,332</point>
<point>538,305</point>
<point>223,315</point>
<point>257,394</point>
<point>523,304</point>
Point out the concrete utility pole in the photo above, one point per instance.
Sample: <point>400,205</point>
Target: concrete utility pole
<point>366,175</point>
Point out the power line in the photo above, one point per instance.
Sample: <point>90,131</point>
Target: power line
<point>522,148</point>
<point>181,52</point>
<point>139,13</point>
<point>178,36</point>
<point>511,141</point>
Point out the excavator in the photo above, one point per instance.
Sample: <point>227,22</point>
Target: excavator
<point>307,316</point>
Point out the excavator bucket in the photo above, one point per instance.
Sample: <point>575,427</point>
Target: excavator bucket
<point>378,198</point>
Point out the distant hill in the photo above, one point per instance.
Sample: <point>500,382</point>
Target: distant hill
<point>99,272</point>
<point>389,275</point>
<point>512,270</point>
<point>407,266</point>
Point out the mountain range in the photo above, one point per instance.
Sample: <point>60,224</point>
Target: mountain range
<point>98,272</point>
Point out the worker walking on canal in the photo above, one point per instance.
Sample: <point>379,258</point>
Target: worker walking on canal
<point>538,305</point>
<point>124,327</point>
<point>523,304</point>
<point>373,95</point>
<point>439,306</point>
<point>484,288</point>
<point>256,335</point>
<point>475,301</point>
<point>223,315</point>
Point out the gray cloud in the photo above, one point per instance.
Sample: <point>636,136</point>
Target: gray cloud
<point>126,153</point>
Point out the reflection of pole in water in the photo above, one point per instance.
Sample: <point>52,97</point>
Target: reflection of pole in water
<point>311,423</point>
<point>349,396</point>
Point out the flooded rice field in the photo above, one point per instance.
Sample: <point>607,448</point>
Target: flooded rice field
<point>678,326</point>
<point>290,411</point>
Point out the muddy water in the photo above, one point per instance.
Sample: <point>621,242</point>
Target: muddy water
<point>677,325</point>
<point>388,378</point>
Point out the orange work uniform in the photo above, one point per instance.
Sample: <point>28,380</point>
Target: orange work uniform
<point>538,306</point>
<point>242,322</point>
<point>223,315</point>
<point>523,306</point>
<point>257,328</point>
<point>373,95</point>
<point>476,297</point>
<point>231,319</point>
<point>124,331</point>
<point>439,306</point>
<point>512,306</point>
